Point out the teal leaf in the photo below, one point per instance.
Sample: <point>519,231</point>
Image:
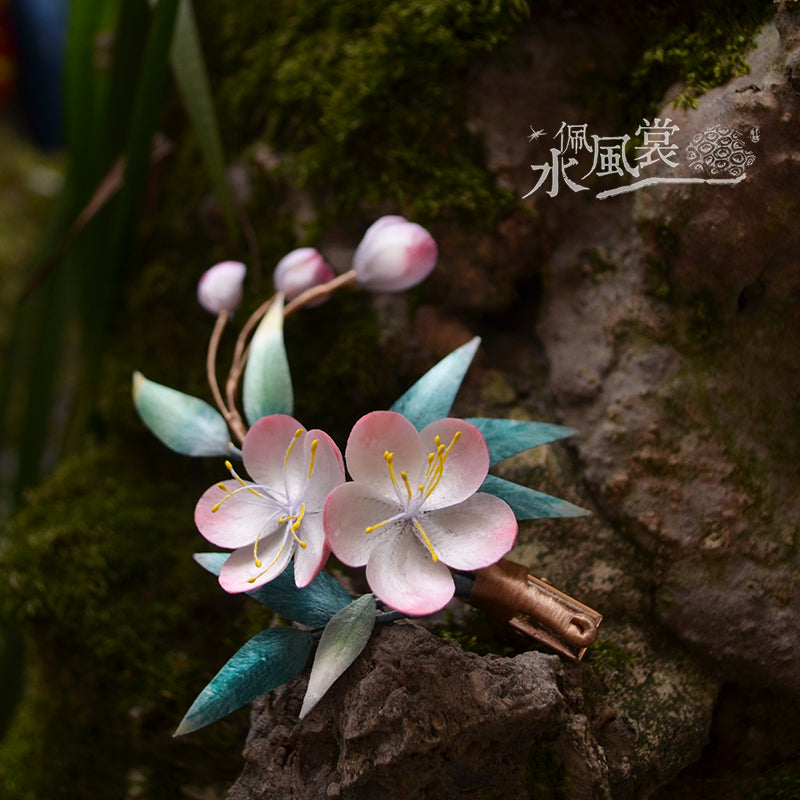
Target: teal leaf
<point>268,660</point>
<point>344,637</point>
<point>185,424</point>
<point>507,437</point>
<point>528,503</point>
<point>313,605</point>
<point>432,396</point>
<point>212,561</point>
<point>267,385</point>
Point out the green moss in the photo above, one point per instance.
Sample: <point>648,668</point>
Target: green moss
<point>477,634</point>
<point>365,102</point>
<point>704,52</point>
<point>123,631</point>
<point>780,784</point>
<point>703,318</point>
<point>606,654</point>
<point>698,45</point>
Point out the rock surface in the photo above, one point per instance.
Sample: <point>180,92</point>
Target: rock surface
<point>665,317</point>
<point>674,361</point>
<point>417,716</point>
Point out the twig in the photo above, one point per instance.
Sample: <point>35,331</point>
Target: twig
<point>230,413</point>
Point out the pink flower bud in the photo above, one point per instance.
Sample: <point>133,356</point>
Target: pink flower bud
<point>220,287</point>
<point>394,254</point>
<point>300,270</point>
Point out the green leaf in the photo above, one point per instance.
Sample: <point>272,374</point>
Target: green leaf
<point>268,660</point>
<point>191,76</point>
<point>507,437</point>
<point>143,122</point>
<point>313,605</point>
<point>267,384</point>
<point>528,503</point>
<point>432,396</point>
<point>344,637</point>
<point>185,424</point>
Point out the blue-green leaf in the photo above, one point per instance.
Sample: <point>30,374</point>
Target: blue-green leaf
<point>528,503</point>
<point>185,424</point>
<point>507,437</point>
<point>267,385</point>
<point>313,605</point>
<point>344,637</point>
<point>432,396</point>
<point>268,660</point>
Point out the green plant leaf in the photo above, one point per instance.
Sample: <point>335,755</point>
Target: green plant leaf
<point>528,503</point>
<point>267,384</point>
<point>432,396</point>
<point>191,77</point>
<point>507,437</point>
<point>313,605</point>
<point>185,424</point>
<point>344,637</point>
<point>268,660</point>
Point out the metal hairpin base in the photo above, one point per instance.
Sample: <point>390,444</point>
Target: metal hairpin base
<point>510,595</point>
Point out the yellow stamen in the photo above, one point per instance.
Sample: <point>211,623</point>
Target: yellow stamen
<point>389,459</point>
<point>243,483</point>
<point>404,476</point>
<point>296,527</point>
<point>298,518</point>
<point>427,541</point>
<point>258,564</point>
<point>297,434</point>
<point>375,527</point>
<point>433,474</point>
<point>442,453</point>
<point>313,456</point>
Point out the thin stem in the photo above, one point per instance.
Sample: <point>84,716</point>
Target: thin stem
<point>230,413</point>
<point>309,295</point>
<point>242,347</point>
<point>211,360</point>
<point>240,353</point>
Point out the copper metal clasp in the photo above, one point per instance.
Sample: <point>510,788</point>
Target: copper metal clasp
<point>509,594</point>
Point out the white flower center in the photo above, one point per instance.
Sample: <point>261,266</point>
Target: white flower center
<point>291,510</point>
<point>411,502</point>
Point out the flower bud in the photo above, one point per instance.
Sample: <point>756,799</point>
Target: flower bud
<point>300,270</point>
<point>220,287</point>
<point>394,254</point>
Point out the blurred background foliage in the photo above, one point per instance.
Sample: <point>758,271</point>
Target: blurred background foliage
<point>345,108</point>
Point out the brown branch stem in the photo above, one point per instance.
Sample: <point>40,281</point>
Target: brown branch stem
<point>231,415</point>
<point>242,347</point>
<point>315,292</point>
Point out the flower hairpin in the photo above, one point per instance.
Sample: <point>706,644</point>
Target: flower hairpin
<point>420,510</point>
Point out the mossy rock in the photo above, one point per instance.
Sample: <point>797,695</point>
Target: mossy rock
<point>122,629</point>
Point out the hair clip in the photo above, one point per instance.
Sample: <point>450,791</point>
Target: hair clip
<point>509,594</point>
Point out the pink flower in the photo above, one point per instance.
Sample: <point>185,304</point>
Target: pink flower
<point>279,515</point>
<point>412,510</point>
<point>394,254</point>
<point>220,287</point>
<point>300,270</point>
